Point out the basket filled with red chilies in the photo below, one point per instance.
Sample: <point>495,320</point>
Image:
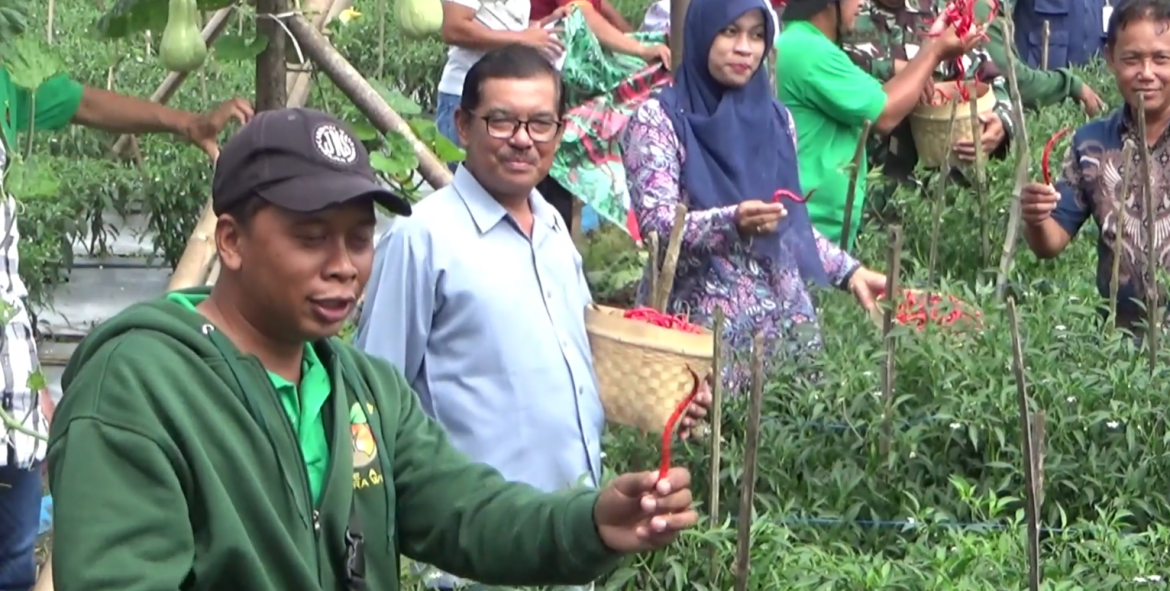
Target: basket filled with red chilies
<point>918,309</point>
<point>643,360</point>
<point>930,121</point>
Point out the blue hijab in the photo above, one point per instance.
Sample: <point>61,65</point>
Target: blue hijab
<point>737,140</point>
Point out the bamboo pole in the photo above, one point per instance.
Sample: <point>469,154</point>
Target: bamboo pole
<point>211,31</point>
<point>747,484</point>
<point>1023,168</point>
<point>318,49</point>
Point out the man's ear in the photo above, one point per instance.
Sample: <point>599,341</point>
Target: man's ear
<point>462,120</point>
<point>229,239</point>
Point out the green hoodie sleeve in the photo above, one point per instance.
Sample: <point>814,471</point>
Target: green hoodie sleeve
<point>102,468</point>
<point>1038,88</point>
<point>464,518</point>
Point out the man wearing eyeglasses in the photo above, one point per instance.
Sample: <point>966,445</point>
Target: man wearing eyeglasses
<point>479,296</point>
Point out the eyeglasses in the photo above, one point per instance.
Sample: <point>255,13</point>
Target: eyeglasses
<point>504,128</point>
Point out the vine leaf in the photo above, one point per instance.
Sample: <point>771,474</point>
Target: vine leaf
<point>239,48</point>
<point>29,62</point>
<point>397,101</point>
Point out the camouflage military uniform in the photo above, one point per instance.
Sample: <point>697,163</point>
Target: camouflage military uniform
<point>883,35</point>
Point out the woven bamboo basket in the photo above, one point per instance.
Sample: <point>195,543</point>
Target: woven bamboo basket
<point>641,368</point>
<point>929,124</point>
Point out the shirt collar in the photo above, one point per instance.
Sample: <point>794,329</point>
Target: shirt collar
<point>486,212</point>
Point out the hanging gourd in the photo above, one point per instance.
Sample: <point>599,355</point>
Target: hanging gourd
<point>183,48</point>
<point>419,18</point>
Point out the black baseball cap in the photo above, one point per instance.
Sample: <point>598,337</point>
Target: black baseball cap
<point>299,159</point>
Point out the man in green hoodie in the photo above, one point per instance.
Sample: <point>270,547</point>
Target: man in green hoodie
<point>223,439</point>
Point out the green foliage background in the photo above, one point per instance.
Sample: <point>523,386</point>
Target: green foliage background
<point>840,505</point>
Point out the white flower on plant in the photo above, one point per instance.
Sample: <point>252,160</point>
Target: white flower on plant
<point>1061,327</point>
<point>956,426</point>
<point>1071,399</point>
<point>1112,424</point>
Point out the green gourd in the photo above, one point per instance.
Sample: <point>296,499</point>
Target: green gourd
<point>182,48</point>
<point>419,18</point>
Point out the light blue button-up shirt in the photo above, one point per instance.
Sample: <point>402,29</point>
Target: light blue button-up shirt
<point>488,326</point>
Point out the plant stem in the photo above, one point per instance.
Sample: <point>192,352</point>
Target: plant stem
<point>939,196</point>
<point>1031,511</point>
<point>10,423</point>
<point>893,270</point>
<point>1152,316</point>
<point>716,435</point>
<point>1023,164</point>
<point>980,175</point>
<point>1119,233</point>
<point>743,551</point>
<point>851,194</point>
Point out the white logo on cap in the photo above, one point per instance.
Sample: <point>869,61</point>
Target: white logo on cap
<point>335,144</point>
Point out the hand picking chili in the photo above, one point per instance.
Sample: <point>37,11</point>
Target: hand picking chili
<point>652,316</point>
<point>961,15</point>
<point>1048,153</point>
<point>672,422</point>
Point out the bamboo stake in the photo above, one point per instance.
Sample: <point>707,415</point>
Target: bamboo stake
<point>1023,167</point>
<point>716,436</point>
<point>166,90</point>
<point>893,297</point>
<point>318,49</point>
<point>851,194</point>
<point>980,176</point>
<point>747,491</point>
<point>651,243</point>
<point>49,18</point>
<point>1045,36</point>
<point>670,259</point>
<point>939,196</point>
<point>1148,203</point>
<point>1031,500</point>
<point>1119,234</point>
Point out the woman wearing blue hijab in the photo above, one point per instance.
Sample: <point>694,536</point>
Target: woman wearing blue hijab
<point>717,141</point>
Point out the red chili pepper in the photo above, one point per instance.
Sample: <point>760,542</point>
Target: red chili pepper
<point>652,316</point>
<point>668,433</point>
<point>789,194</point>
<point>1048,152</point>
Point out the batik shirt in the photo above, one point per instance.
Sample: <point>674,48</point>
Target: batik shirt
<point>1090,186</point>
<point>716,267</point>
<point>883,35</point>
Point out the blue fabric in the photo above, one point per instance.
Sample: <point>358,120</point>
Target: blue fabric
<point>1076,31</point>
<point>20,509</point>
<point>445,120</point>
<point>738,144</point>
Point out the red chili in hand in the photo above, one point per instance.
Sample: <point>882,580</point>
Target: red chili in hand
<point>652,316</point>
<point>1048,152</point>
<point>793,196</point>
<point>961,15</point>
<point>672,422</point>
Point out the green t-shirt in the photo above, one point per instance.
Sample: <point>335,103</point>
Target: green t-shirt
<point>303,406</point>
<point>830,99</point>
<point>55,102</point>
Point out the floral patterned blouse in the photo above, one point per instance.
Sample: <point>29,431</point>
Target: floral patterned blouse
<point>715,265</point>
